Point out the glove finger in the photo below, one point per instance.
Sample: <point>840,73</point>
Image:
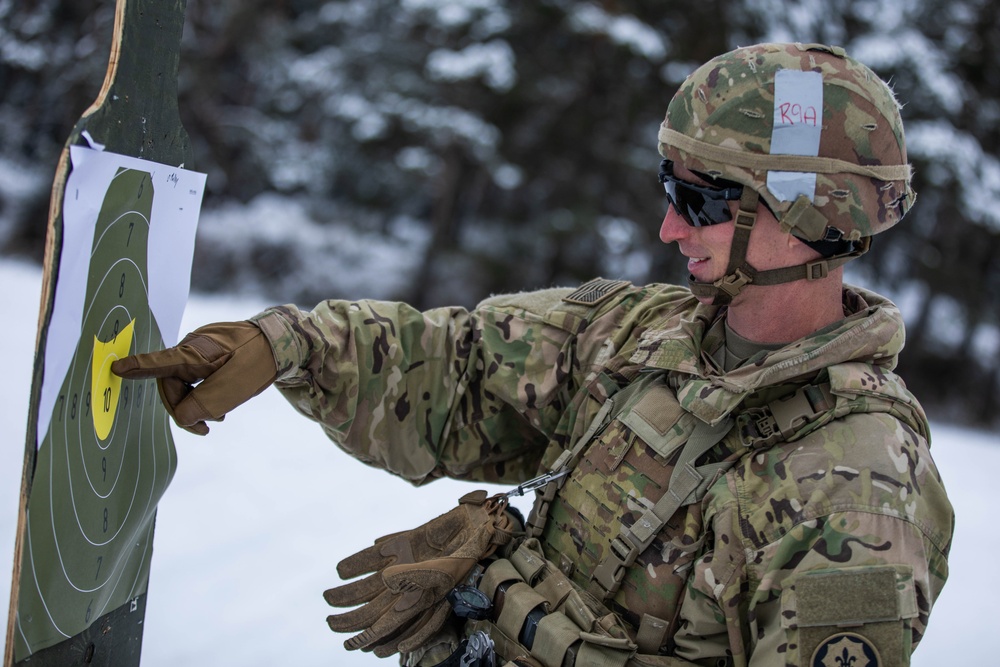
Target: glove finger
<point>418,632</point>
<point>365,561</point>
<point>390,639</point>
<point>201,428</point>
<point>449,531</point>
<point>173,391</point>
<point>440,574</point>
<point>189,413</point>
<point>363,617</point>
<point>355,593</point>
<point>185,361</point>
<point>372,637</point>
<point>390,622</point>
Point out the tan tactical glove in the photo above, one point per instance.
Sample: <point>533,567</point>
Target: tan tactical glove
<point>404,599</point>
<point>214,369</point>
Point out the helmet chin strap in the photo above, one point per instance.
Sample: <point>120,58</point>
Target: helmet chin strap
<point>739,273</point>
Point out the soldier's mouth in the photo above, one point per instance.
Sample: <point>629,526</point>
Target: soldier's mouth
<point>696,261</point>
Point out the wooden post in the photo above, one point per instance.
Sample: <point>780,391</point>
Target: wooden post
<point>135,114</point>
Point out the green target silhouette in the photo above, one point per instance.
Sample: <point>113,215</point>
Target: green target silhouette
<point>108,455</point>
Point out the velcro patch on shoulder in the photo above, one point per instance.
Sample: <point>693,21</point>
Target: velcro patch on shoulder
<point>852,596</point>
<point>850,616</point>
<point>594,292</point>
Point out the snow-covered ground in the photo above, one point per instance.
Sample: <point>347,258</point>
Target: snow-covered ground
<point>260,511</point>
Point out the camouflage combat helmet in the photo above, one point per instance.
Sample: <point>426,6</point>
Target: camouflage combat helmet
<point>814,133</point>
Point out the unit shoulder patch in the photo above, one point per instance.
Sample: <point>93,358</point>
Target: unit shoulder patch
<point>595,291</point>
<point>846,648</point>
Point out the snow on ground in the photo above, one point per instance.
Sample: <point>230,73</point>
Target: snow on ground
<point>249,533</point>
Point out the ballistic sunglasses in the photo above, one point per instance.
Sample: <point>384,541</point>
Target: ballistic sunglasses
<point>700,206</point>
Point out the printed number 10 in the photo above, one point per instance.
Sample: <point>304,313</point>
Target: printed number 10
<point>107,399</point>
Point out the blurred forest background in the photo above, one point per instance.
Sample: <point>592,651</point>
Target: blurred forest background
<point>438,152</point>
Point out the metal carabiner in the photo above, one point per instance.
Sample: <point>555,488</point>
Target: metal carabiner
<point>537,482</point>
<point>479,651</point>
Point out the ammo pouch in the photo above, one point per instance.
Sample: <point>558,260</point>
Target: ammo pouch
<point>569,627</point>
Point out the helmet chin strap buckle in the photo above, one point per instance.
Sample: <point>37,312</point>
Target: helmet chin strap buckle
<point>817,270</point>
<point>733,283</point>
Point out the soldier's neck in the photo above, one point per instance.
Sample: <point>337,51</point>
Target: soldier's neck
<point>787,312</point>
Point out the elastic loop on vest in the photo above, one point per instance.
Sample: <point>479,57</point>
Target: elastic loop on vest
<point>600,651</point>
<point>499,571</point>
<point>518,602</point>
<point>553,638</point>
<point>555,588</point>
<point>527,560</point>
<point>652,634</point>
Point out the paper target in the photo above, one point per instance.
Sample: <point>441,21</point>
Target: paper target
<point>106,454</point>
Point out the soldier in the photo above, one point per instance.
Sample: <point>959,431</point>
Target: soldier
<point>731,473</point>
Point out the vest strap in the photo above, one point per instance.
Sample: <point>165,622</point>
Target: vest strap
<point>685,482</point>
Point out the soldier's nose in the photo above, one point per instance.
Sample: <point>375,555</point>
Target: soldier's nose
<point>674,227</point>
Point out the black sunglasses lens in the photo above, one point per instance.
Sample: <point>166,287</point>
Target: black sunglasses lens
<point>699,206</point>
<point>696,209</point>
<point>714,211</point>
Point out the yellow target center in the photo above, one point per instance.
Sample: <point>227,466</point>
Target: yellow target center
<point>105,385</point>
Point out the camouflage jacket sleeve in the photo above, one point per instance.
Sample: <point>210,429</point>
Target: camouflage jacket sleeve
<point>813,558</point>
<point>447,392</point>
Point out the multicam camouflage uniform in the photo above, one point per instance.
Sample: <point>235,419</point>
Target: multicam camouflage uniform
<point>827,544</point>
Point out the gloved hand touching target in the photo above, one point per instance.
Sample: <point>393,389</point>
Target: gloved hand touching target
<point>212,370</point>
<point>410,573</point>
